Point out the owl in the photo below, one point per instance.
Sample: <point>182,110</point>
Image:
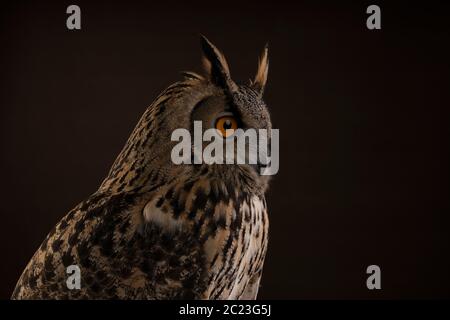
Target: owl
<point>157,230</point>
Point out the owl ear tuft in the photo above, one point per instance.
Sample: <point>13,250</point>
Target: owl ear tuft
<point>263,69</point>
<point>216,65</point>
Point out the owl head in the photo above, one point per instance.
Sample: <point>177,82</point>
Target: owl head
<point>213,100</point>
<point>229,108</point>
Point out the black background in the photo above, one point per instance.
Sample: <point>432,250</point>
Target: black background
<point>363,118</point>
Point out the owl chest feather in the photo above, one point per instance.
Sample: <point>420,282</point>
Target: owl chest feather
<point>231,233</point>
<point>242,253</point>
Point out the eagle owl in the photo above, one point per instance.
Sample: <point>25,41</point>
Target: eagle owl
<point>156,230</point>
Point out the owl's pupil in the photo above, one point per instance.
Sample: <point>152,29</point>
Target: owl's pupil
<point>227,125</point>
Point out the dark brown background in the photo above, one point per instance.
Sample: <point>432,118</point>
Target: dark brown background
<point>363,118</point>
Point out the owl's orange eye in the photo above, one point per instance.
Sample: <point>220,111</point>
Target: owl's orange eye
<point>226,123</point>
